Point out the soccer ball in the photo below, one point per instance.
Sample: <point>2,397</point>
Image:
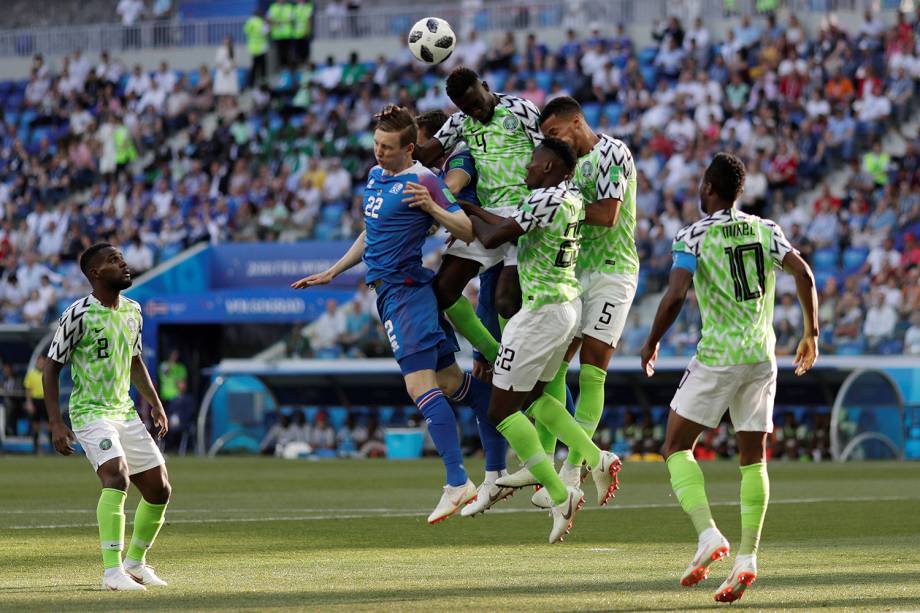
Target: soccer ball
<point>432,40</point>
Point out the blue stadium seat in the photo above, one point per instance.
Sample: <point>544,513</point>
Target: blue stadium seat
<point>857,347</point>
<point>592,113</point>
<point>337,417</point>
<point>544,79</point>
<point>825,260</point>
<point>385,414</point>
<point>892,347</point>
<point>649,75</point>
<point>854,258</point>
<point>498,80</point>
<point>550,17</point>
<point>310,413</point>
<point>647,56</point>
<point>612,111</point>
<point>822,277</point>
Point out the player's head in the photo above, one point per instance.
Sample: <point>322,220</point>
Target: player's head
<point>470,94</point>
<point>722,183</point>
<point>105,268</point>
<point>562,118</point>
<point>429,123</point>
<point>394,138</point>
<point>553,161</point>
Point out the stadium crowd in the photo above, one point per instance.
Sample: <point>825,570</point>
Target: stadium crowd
<point>158,160</point>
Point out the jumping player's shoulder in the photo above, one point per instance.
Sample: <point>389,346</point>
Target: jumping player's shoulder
<point>615,150</point>
<point>76,310</point>
<point>690,237</point>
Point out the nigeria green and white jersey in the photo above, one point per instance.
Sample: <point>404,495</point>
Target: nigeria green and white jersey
<point>501,148</point>
<point>736,256</point>
<point>548,251</point>
<point>608,171</point>
<point>99,343</point>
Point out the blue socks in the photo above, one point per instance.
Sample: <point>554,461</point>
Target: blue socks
<point>477,394</point>
<point>569,400</point>
<point>442,426</point>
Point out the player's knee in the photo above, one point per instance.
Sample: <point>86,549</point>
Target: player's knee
<point>163,494</point>
<point>672,446</point>
<point>115,480</point>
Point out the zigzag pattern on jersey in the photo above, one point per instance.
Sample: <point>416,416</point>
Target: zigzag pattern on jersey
<point>541,206</point>
<point>527,112</point>
<point>70,330</point>
<point>612,152</point>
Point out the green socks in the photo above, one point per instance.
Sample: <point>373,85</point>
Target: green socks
<point>148,519</point>
<point>690,489</point>
<point>590,405</point>
<point>462,315</point>
<point>110,513</point>
<point>522,437</point>
<point>553,415</point>
<point>556,389</point>
<point>755,494</point>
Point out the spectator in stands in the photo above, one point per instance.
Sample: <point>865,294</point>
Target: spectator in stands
<point>138,256</point>
<point>226,83</point>
<point>370,439</point>
<point>256,30</point>
<point>324,333</point>
<point>912,338</point>
<point>130,12</point>
<point>279,435</point>
<point>281,18</point>
<point>880,322</point>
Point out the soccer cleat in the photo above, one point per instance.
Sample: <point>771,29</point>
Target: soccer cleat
<point>145,575</point>
<point>564,514</point>
<point>121,582</point>
<point>571,476</point>
<point>452,500</point>
<point>605,476</point>
<point>712,548</point>
<point>521,478</point>
<point>488,494</point>
<point>744,573</point>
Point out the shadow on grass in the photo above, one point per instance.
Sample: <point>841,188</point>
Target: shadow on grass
<point>435,597</point>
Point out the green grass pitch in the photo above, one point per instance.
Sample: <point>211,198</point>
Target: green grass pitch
<point>254,533</point>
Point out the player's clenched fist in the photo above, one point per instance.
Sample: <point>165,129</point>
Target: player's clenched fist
<point>806,355</point>
<point>61,437</point>
<point>320,278</point>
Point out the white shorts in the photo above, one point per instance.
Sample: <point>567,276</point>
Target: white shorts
<point>534,344</point>
<point>105,439</point>
<point>487,258</point>
<point>605,301</point>
<point>746,390</point>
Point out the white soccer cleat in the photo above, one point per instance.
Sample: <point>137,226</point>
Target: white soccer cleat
<point>452,500</point>
<point>521,478</point>
<point>144,574</point>
<point>744,573</point>
<point>487,495</point>
<point>570,475</point>
<point>564,514</point>
<point>121,582</point>
<point>605,476</point>
<point>712,548</point>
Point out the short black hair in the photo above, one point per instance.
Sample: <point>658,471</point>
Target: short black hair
<point>89,256</point>
<point>563,151</point>
<point>563,105</point>
<point>726,175</point>
<point>459,80</point>
<point>431,121</point>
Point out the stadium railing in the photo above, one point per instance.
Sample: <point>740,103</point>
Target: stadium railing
<point>499,15</point>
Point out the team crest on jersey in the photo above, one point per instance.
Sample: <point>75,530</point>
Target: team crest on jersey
<point>510,123</point>
<point>397,187</point>
<point>105,445</point>
<point>587,168</point>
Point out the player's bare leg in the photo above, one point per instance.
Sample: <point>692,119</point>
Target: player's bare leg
<point>689,487</point>
<point>755,494</point>
<point>153,484</point>
<point>508,292</point>
<point>449,283</point>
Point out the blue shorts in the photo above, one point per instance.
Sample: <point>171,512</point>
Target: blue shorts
<point>419,335</point>
<point>485,310</point>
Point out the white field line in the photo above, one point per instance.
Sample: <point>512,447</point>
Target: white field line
<point>401,513</point>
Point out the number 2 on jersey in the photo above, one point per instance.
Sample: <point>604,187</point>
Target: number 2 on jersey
<point>736,257</point>
<point>568,250</point>
<point>372,206</point>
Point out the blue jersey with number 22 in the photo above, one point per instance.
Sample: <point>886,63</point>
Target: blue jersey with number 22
<point>395,232</point>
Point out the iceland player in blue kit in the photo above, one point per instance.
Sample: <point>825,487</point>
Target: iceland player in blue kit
<point>458,170</point>
<point>402,200</point>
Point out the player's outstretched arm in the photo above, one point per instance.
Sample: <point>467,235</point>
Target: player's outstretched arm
<point>491,235</point>
<point>604,212</point>
<point>807,353</point>
<point>668,310</point>
<point>351,258</point>
<point>61,436</point>
<point>140,378</point>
